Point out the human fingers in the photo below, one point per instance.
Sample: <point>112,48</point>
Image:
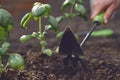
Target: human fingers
<point>97,8</point>
<point>109,12</point>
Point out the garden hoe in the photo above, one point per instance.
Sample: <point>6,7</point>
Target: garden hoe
<point>73,51</point>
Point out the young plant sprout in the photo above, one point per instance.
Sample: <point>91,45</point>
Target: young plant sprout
<point>73,8</point>
<point>6,25</point>
<point>38,12</point>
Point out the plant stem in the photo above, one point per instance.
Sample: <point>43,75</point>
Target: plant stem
<point>40,24</point>
<point>40,29</point>
<point>71,11</point>
<point>1,66</point>
<point>5,66</point>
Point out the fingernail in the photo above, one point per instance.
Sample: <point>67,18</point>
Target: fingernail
<point>91,17</point>
<point>106,20</point>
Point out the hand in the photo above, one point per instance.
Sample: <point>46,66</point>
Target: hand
<point>107,6</point>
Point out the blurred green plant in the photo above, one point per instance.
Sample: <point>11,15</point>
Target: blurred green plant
<point>98,33</point>
<point>73,8</point>
<point>6,25</point>
<point>70,9</point>
<point>104,33</point>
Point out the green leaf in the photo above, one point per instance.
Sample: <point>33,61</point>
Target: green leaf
<point>1,66</point>
<point>42,36</point>
<point>80,1</point>
<point>34,34</point>
<point>36,18</point>
<point>80,10</point>
<point>59,35</point>
<point>37,3</point>
<point>48,9</point>
<point>59,19</point>
<point>3,51</point>
<point>48,27</point>
<point>38,10</point>
<point>67,3</point>
<point>53,22</point>
<point>69,15</point>
<point>57,49</point>
<point>25,38</point>
<point>6,45</point>
<point>6,19</point>
<point>25,19</point>
<point>9,28</point>
<point>47,52</point>
<point>16,61</point>
<point>3,35</point>
<point>43,43</point>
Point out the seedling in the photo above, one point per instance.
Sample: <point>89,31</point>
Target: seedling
<point>38,12</point>
<point>73,8</point>
<point>6,25</point>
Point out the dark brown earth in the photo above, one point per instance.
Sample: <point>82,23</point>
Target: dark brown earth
<point>102,53</point>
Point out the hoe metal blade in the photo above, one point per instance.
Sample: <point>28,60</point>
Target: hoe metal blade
<point>69,44</point>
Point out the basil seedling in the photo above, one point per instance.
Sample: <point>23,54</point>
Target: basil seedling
<point>71,9</point>
<point>38,12</point>
<point>6,25</point>
<point>76,8</point>
<point>16,61</point>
